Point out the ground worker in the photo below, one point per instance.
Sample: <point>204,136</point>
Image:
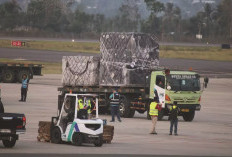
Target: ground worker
<point>80,104</point>
<point>154,110</point>
<point>24,88</point>
<point>206,81</point>
<point>1,107</point>
<point>114,103</point>
<point>173,117</point>
<point>84,109</point>
<point>88,107</point>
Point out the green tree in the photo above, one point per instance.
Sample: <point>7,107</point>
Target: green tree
<point>81,22</point>
<point>45,14</point>
<point>128,18</point>
<point>171,19</point>
<point>10,15</point>
<point>153,23</point>
<point>224,19</point>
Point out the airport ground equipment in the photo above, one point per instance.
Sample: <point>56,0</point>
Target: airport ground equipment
<point>13,72</point>
<point>72,125</point>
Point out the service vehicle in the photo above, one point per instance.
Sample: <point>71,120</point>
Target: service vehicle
<point>11,126</point>
<point>72,124</point>
<point>13,72</point>
<point>181,86</point>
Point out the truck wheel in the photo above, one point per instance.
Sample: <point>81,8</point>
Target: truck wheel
<point>8,76</point>
<point>56,135</point>
<point>9,143</point>
<point>148,115</point>
<point>21,73</point>
<point>132,113</point>
<point>141,111</point>
<point>161,114</point>
<point>124,108</point>
<point>189,116</point>
<point>77,139</point>
<point>99,141</point>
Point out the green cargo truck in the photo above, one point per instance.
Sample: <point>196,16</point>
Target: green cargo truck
<point>181,86</point>
<point>13,72</point>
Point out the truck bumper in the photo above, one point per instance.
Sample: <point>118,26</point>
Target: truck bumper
<point>193,107</point>
<point>6,136</point>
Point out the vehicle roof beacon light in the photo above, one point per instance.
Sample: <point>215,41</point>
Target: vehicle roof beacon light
<point>167,71</point>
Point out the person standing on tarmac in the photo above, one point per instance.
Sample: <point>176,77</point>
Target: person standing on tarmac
<point>153,112</point>
<point>24,88</point>
<point>1,107</point>
<point>173,117</point>
<point>114,103</point>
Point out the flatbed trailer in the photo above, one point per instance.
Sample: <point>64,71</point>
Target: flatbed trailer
<point>180,86</point>
<point>13,72</point>
<point>132,98</point>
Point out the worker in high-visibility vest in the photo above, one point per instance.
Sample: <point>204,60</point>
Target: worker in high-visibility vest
<point>24,88</point>
<point>153,112</point>
<point>80,104</point>
<point>84,106</point>
<point>88,107</point>
<point>173,117</point>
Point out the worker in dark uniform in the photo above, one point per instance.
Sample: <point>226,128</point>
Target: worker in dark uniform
<point>173,117</point>
<point>114,103</point>
<point>1,107</point>
<point>24,88</point>
<point>206,81</point>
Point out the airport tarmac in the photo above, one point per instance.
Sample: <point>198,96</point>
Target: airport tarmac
<point>209,134</point>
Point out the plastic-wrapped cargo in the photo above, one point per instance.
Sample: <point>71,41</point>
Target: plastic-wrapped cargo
<point>112,74</point>
<point>80,70</point>
<point>120,74</point>
<point>139,49</point>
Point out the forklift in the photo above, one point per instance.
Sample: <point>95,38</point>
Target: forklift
<point>74,125</point>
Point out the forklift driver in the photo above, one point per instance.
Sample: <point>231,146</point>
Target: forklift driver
<point>82,110</point>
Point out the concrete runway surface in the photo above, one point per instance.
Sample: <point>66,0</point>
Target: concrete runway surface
<point>210,68</point>
<point>208,135</point>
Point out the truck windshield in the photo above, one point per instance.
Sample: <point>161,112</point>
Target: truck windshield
<point>183,82</point>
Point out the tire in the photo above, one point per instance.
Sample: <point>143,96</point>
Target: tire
<point>77,139</point>
<point>132,113</point>
<point>124,108</point>
<point>99,141</point>
<point>56,135</point>
<point>141,111</point>
<point>161,114</point>
<point>148,115</point>
<point>21,73</point>
<point>9,143</point>
<point>8,76</point>
<point>188,117</point>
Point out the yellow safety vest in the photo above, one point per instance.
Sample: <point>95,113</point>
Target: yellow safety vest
<point>89,104</point>
<point>153,110</point>
<point>173,107</point>
<point>80,103</point>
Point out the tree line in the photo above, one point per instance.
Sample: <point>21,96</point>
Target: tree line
<point>165,20</point>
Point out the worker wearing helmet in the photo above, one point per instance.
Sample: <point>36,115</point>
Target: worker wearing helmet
<point>173,117</point>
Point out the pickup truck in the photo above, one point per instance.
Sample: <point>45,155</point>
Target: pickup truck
<point>11,125</point>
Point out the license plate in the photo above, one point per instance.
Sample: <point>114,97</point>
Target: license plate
<point>5,131</point>
<point>93,136</point>
<point>185,110</point>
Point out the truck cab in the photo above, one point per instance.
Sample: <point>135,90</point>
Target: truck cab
<point>180,86</point>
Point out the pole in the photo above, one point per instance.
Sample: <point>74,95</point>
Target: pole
<point>96,107</point>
